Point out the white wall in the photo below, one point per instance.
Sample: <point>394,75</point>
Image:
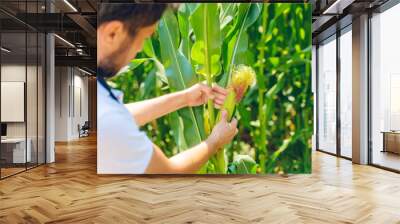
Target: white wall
<point>80,110</point>
<point>13,73</point>
<point>13,101</point>
<point>71,94</point>
<point>16,73</point>
<point>62,81</point>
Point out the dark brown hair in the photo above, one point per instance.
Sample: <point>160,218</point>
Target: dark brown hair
<point>134,15</point>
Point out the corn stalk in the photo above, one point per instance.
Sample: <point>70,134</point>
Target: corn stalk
<point>206,51</point>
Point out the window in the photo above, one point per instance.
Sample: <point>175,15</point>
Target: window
<point>22,77</point>
<point>385,89</point>
<point>346,92</point>
<point>327,96</point>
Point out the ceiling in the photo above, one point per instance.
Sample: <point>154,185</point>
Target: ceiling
<point>329,15</point>
<point>74,22</point>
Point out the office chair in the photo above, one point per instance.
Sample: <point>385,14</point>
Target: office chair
<point>84,130</point>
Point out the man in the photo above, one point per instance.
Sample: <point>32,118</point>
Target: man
<point>122,147</point>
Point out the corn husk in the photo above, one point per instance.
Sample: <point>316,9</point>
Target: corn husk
<point>242,78</point>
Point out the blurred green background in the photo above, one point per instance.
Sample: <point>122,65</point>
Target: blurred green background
<point>275,116</point>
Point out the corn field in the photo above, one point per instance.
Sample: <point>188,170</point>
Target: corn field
<point>209,42</point>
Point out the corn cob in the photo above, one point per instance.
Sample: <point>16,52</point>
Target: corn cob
<point>242,77</point>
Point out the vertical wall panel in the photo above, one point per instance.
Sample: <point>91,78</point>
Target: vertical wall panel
<point>360,90</point>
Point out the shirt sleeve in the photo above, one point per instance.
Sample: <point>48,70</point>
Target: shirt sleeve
<point>122,148</point>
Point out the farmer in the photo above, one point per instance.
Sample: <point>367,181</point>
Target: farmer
<point>122,147</point>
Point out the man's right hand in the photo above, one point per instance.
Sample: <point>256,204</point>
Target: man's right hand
<point>223,132</point>
<point>191,160</point>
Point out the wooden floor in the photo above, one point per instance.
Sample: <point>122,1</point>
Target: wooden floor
<point>5,172</point>
<point>69,191</point>
<point>387,159</point>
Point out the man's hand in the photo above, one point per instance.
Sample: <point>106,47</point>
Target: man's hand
<point>223,132</point>
<point>191,160</point>
<point>200,93</point>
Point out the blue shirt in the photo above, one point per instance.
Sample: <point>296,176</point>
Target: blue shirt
<point>121,147</point>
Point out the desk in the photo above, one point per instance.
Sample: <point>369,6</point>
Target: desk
<point>391,141</point>
<point>17,152</point>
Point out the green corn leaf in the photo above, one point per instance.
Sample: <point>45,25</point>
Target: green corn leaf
<point>177,127</point>
<point>148,49</point>
<point>185,29</point>
<point>180,75</point>
<point>243,164</point>
<point>177,67</point>
<point>160,68</point>
<point>137,62</point>
<point>285,144</point>
<point>206,51</point>
<point>192,6</point>
<point>236,42</point>
<point>227,14</point>
<point>149,85</point>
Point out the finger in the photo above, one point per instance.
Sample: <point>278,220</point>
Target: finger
<point>220,97</point>
<point>207,91</point>
<point>218,89</point>
<point>218,102</point>
<point>224,115</point>
<point>217,106</point>
<point>234,123</point>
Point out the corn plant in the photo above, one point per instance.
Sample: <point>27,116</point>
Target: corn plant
<point>228,44</point>
<point>205,61</point>
<point>284,100</point>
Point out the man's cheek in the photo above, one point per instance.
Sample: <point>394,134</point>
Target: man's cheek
<point>133,52</point>
<point>133,55</point>
<point>138,47</point>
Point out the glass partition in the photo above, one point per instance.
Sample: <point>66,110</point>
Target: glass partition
<point>385,89</point>
<point>22,77</point>
<point>14,153</point>
<point>327,95</point>
<point>346,92</point>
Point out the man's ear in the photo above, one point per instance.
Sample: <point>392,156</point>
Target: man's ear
<point>112,32</point>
